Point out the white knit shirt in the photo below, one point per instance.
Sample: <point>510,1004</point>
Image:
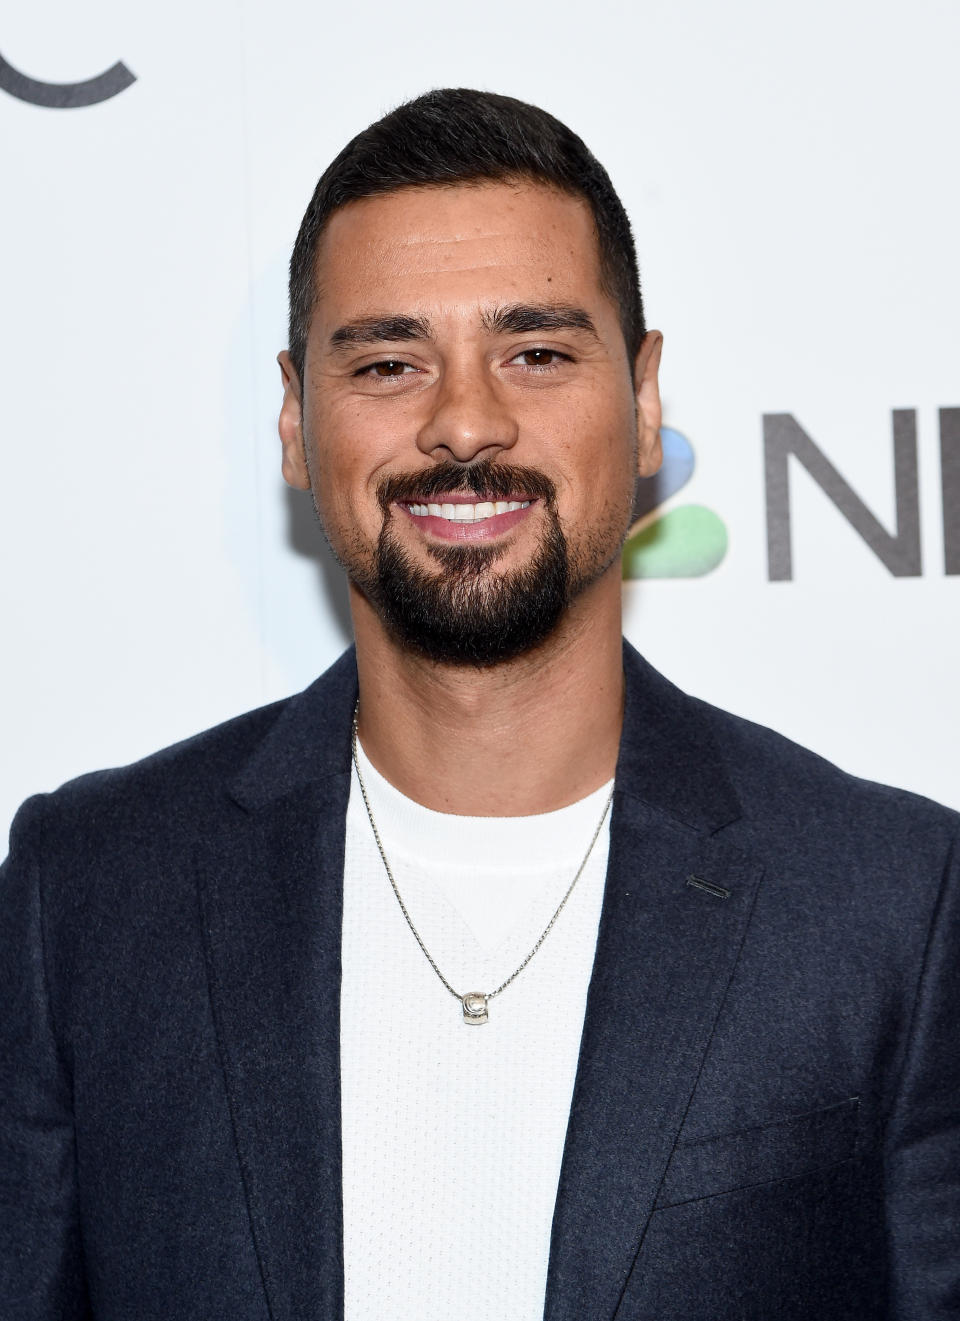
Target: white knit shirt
<point>453,1133</point>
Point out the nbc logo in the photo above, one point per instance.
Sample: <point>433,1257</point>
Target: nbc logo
<point>684,542</point>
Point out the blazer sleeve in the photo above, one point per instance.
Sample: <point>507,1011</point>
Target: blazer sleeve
<point>41,1270</point>
<point>923,1132</point>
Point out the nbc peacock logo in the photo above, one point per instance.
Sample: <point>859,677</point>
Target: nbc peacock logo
<point>686,541</point>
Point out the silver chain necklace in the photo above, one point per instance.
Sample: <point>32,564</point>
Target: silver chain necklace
<point>473,1003</point>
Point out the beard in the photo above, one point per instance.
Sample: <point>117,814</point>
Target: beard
<point>470,611</point>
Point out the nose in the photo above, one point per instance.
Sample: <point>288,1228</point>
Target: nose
<point>469,418</point>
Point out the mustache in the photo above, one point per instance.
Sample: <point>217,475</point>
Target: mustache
<point>486,479</point>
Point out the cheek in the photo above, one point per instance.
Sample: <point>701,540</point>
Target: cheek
<point>346,501</point>
<point>599,482</point>
<point>345,462</point>
<point>597,452</point>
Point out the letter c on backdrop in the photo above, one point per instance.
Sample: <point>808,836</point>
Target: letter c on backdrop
<point>65,96</point>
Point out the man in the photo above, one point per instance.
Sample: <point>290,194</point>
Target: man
<point>372,1007</point>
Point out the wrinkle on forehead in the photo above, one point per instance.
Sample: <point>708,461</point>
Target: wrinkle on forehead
<point>459,253</point>
<point>462,227</point>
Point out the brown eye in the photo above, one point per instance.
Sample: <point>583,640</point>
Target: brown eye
<point>539,357</point>
<point>390,368</point>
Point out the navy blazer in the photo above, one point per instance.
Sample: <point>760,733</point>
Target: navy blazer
<point>765,1118</point>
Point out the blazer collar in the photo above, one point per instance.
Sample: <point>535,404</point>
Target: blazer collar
<point>666,952</point>
<point>669,755</point>
<point>309,742</point>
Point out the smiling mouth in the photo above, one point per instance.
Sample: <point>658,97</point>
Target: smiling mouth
<point>460,511</point>
<point>463,519</point>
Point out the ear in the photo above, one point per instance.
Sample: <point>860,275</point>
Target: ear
<point>290,426</point>
<point>646,388</point>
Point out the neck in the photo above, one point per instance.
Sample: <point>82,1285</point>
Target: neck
<point>529,736</point>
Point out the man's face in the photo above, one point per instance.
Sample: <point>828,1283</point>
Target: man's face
<point>469,422</point>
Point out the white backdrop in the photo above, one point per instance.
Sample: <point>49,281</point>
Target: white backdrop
<point>793,186</point>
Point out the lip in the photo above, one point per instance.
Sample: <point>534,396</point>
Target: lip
<point>486,529</point>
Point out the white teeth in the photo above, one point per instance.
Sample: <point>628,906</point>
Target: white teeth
<point>468,513</point>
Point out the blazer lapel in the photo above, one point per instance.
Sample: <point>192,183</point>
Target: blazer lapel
<point>270,883</point>
<point>666,950</point>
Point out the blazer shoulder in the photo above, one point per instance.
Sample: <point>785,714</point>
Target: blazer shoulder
<point>712,769</point>
<point>174,794</point>
<point>793,792</point>
<point>163,784</point>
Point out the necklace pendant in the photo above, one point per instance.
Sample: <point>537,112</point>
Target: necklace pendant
<point>474,1007</point>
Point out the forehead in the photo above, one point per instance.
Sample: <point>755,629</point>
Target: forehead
<point>439,247</point>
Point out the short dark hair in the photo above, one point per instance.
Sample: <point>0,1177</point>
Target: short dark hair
<point>457,135</point>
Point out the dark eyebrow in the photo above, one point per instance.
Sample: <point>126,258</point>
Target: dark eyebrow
<point>527,318</point>
<point>377,329</point>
